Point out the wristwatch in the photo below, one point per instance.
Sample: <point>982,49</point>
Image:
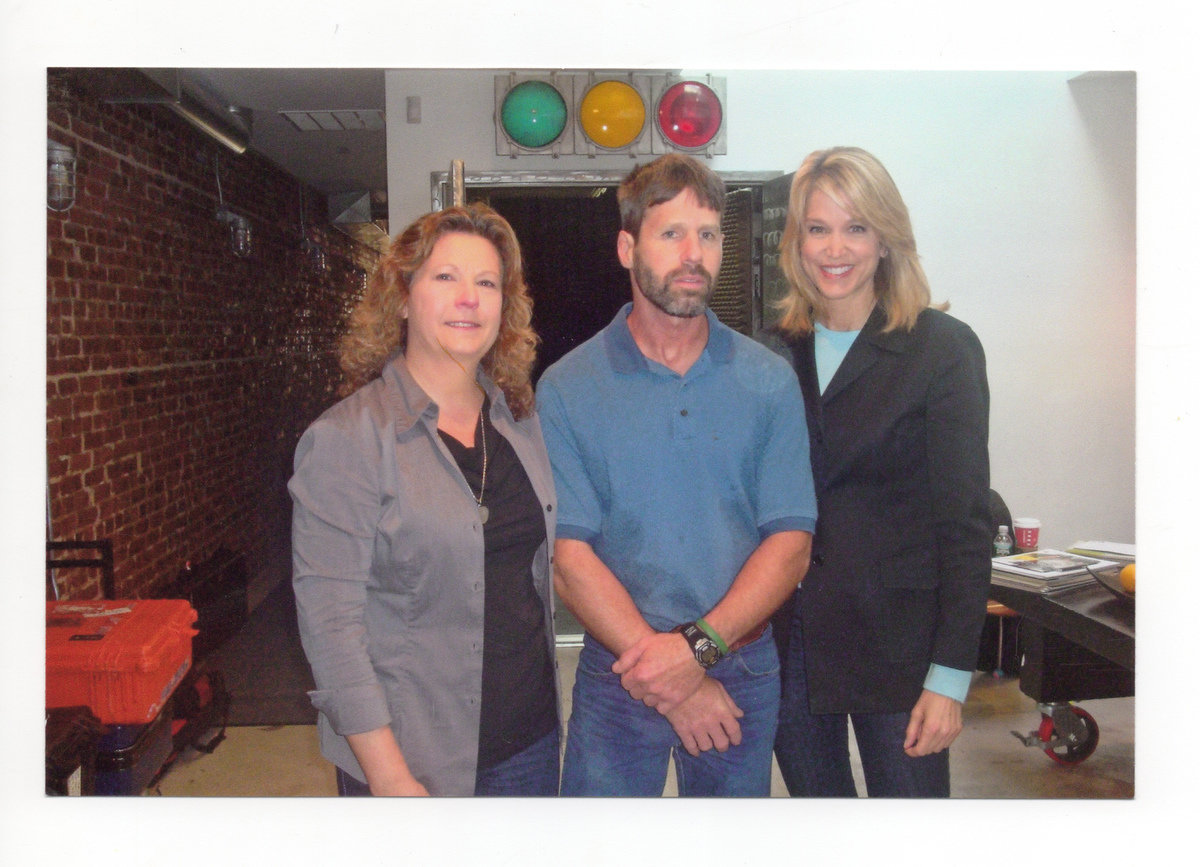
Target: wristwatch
<point>703,648</point>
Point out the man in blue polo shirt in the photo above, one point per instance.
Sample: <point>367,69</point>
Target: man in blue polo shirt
<point>686,508</point>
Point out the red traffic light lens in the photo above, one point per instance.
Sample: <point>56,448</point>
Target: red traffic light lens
<point>689,114</point>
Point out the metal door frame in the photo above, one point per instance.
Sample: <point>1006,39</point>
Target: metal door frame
<point>441,195</point>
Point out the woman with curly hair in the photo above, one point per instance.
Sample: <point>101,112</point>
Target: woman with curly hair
<point>422,523</point>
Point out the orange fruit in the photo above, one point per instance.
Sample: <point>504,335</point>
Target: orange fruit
<point>1127,578</point>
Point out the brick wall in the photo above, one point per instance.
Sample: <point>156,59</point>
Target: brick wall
<point>179,376</point>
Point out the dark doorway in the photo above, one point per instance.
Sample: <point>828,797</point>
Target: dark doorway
<point>569,243</point>
<point>568,234</point>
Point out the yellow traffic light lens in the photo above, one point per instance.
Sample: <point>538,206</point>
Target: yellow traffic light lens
<point>612,114</point>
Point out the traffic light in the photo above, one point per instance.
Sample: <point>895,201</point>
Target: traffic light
<point>612,114</point>
<point>533,114</point>
<point>609,112</point>
<point>689,116</point>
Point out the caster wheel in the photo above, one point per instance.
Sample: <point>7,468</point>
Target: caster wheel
<point>1077,744</point>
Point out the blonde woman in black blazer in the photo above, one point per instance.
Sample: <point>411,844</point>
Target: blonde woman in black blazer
<point>885,626</point>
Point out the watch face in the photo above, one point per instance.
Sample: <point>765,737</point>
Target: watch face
<point>703,648</point>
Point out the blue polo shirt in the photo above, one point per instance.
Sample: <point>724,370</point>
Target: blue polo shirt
<point>675,480</point>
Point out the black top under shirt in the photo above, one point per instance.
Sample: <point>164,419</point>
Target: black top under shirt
<point>517,706</point>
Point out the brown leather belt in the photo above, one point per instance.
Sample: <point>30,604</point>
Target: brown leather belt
<point>750,637</point>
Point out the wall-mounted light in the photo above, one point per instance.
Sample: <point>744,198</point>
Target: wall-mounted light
<point>239,231</point>
<point>60,176</point>
<point>314,253</point>
<point>239,226</point>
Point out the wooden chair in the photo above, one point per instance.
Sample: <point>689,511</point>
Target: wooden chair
<point>1003,615</point>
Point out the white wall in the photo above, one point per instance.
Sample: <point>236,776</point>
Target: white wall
<point>1022,193</point>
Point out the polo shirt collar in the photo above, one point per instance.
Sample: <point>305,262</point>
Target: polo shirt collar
<point>625,356</point>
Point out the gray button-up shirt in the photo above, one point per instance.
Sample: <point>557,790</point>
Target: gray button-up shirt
<point>387,555</point>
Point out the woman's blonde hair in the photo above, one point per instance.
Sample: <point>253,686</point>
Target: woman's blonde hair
<point>376,330</point>
<point>860,185</point>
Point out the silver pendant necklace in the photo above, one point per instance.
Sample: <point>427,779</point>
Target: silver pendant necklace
<point>483,510</point>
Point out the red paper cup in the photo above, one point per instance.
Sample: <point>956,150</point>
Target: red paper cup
<point>1025,533</point>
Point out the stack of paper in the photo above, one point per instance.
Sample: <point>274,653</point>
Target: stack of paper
<point>1121,551</point>
<point>1047,569</point>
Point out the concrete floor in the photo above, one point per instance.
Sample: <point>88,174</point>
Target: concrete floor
<point>986,760</point>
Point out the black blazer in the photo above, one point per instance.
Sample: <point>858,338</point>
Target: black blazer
<point>901,558</point>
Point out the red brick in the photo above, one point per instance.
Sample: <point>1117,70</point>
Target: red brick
<point>166,430</point>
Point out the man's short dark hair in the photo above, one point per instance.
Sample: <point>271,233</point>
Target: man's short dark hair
<point>662,180</point>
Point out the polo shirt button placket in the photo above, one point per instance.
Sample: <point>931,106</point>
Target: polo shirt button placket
<point>682,427</point>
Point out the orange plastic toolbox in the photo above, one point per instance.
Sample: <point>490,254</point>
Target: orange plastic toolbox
<point>121,658</point>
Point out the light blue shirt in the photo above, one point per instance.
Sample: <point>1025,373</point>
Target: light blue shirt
<point>675,480</point>
<point>830,348</point>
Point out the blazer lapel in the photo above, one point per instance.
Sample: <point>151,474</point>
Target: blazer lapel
<point>804,361</point>
<point>861,357</point>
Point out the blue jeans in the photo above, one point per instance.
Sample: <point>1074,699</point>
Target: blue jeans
<point>533,772</point>
<point>616,745</point>
<point>813,750</point>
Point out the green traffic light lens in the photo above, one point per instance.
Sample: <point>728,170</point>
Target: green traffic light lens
<point>533,114</point>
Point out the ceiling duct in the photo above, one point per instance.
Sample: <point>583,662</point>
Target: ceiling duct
<point>361,215</point>
<point>231,126</point>
<point>335,119</point>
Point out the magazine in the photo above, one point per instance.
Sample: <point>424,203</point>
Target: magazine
<point>1049,564</point>
<point>1042,585</point>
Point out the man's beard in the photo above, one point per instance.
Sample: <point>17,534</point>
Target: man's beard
<point>658,292</point>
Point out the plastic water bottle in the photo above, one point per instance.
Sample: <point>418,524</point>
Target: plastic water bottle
<point>1002,545</point>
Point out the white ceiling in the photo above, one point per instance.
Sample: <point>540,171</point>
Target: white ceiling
<point>331,161</point>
